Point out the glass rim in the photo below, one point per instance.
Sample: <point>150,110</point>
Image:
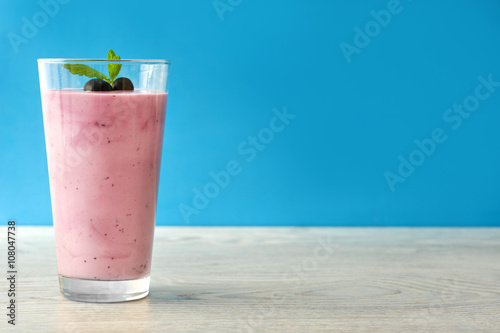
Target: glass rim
<point>67,60</point>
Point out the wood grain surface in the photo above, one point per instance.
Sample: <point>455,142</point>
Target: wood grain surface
<point>281,280</point>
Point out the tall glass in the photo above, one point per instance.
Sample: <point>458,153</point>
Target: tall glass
<point>104,152</point>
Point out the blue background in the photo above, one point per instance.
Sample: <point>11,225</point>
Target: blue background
<point>353,119</point>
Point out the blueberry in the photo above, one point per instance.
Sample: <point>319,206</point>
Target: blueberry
<point>122,83</point>
<point>97,85</point>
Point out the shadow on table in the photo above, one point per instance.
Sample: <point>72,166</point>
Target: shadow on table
<point>168,293</point>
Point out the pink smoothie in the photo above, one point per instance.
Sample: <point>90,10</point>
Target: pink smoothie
<point>104,152</point>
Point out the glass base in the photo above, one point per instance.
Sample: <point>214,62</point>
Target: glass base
<point>103,291</point>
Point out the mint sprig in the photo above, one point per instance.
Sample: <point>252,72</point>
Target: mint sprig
<point>113,69</point>
<point>84,70</point>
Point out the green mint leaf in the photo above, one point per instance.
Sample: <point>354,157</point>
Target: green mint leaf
<point>113,69</point>
<point>111,54</point>
<point>84,70</point>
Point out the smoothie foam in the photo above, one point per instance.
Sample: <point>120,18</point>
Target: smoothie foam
<point>104,153</point>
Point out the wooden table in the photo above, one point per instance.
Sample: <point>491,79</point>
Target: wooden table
<point>281,280</point>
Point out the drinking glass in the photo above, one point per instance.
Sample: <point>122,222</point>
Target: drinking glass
<point>104,152</point>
